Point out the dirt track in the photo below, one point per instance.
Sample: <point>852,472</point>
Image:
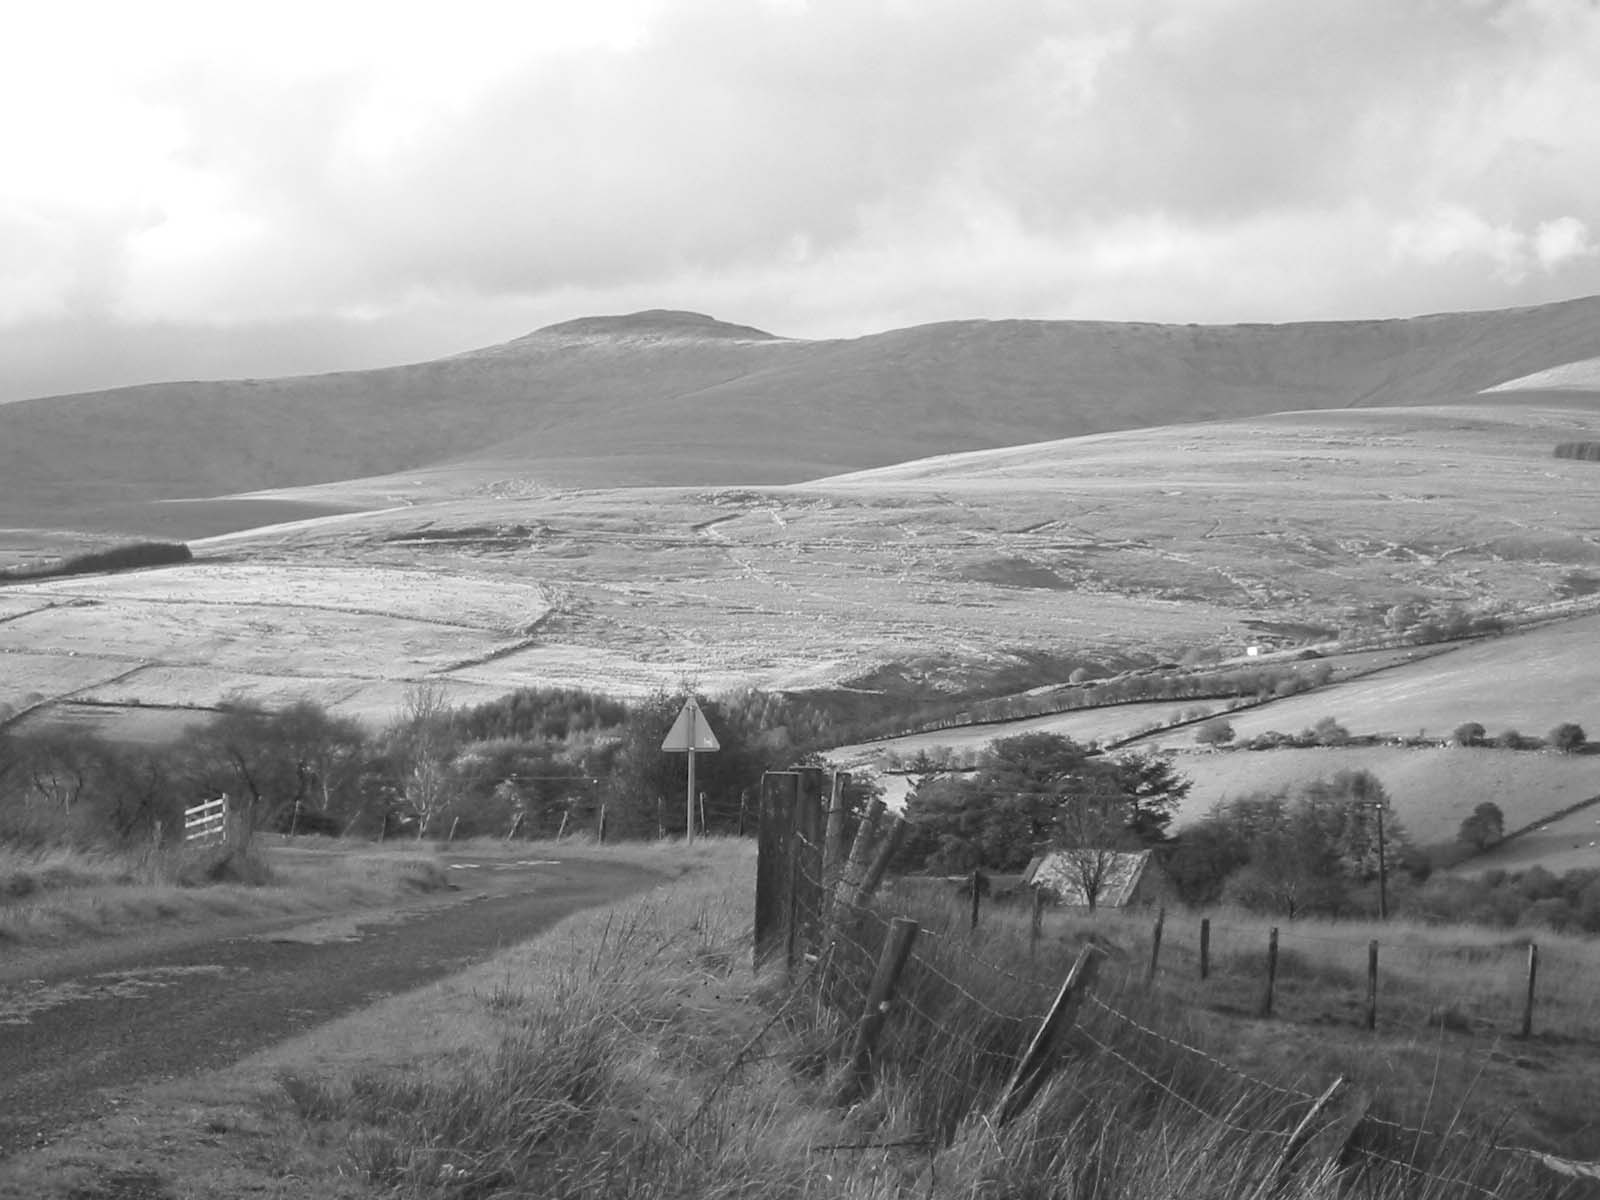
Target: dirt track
<point>113,1019</point>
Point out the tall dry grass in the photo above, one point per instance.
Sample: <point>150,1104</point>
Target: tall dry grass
<point>56,895</point>
<point>636,1055</point>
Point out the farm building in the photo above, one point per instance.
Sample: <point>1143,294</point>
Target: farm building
<point>1127,878</point>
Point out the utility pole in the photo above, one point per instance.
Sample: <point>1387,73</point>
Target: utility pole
<point>1383,871</point>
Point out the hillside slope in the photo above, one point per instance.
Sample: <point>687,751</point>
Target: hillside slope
<point>680,399</point>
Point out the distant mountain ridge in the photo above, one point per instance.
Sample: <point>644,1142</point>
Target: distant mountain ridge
<point>667,397</point>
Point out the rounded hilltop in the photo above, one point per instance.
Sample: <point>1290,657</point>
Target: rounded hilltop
<point>657,324</point>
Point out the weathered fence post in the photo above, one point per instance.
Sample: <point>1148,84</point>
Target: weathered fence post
<point>977,897</point>
<point>1036,922</point>
<point>1037,1060</point>
<point>562,828</point>
<point>857,865</point>
<point>1272,972</point>
<point>1533,974</point>
<point>833,839</point>
<point>452,834</point>
<point>791,931</point>
<point>661,819</point>
<point>1205,947</point>
<point>857,1077</point>
<point>879,866</point>
<point>773,864</point>
<point>1155,947</point>
<point>600,830</point>
<point>1372,984</point>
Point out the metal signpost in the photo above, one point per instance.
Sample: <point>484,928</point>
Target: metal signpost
<point>689,734</point>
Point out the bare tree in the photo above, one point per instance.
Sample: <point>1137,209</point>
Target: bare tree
<point>1091,836</point>
<point>422,749</point>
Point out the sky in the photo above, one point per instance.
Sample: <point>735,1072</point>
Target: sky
<point>228,188</point>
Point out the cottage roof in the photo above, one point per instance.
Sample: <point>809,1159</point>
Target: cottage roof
<point>1054,872</point>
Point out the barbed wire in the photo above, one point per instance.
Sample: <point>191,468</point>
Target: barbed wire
<point>1095,1002</point>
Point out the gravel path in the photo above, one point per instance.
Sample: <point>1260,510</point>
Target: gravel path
<point>120,1017</point>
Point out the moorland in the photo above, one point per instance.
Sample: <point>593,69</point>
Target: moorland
<point>1349,540</point>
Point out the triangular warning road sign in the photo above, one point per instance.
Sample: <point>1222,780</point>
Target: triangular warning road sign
<point>690,731</point>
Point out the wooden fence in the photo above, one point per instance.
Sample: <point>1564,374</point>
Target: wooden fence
<point>207,822</point>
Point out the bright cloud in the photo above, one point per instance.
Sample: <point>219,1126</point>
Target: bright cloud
<point>389,176</point>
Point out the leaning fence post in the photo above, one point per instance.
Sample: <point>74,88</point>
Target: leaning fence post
<point>1533,974</point>
<point>600,831</point>
<point>881,857</point>
<point>1034,1067</point>
<point>857,1078</point>
<point>1272,972</point>
<point>1205,947</point>
<point>856,866</point>
<point>1372,984</point>
<point>1155,946</point>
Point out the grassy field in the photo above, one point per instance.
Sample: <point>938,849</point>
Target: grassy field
<point>1432,790</point>
<point>631,1053</point>
<point>58,897</point>
<point>1529,681</point>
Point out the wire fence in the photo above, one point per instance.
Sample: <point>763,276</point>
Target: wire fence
<point>965,1009</point>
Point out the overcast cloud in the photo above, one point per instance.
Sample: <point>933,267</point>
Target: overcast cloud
<point>228,189</point>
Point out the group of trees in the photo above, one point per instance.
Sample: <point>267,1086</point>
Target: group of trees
<point>537,758</point>
<point>1040,792</point>
<point>1567,737</point>
<point>1311,850</point>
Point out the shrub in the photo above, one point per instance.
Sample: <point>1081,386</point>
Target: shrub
<point>1328,732</point>
<point>1485,827</point>
<point>1567,737</point>
<point>1216,732</point>
<point>1469,733</point>
<point>1588,451</point>
<point>1510,739</point>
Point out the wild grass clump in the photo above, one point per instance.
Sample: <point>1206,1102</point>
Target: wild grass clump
<point>62,894</point>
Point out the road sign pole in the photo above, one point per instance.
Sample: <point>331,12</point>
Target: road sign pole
<point>694,711</point>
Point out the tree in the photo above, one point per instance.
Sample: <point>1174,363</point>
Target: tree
<point>1035,792</point>
<point>277,762</point>
<point>1470,733</point>
<point>420,747</point>
<point>1485,827</point>
<point>1216,732</point>
<point>1568,737</point>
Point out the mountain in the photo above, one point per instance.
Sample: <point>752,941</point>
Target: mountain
<point>670,398</point>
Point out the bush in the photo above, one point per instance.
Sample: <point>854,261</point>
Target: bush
<point>1216,732</point>
<point>1510,739</point>
<point>1469,734</point>
<point>1328,732</point>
